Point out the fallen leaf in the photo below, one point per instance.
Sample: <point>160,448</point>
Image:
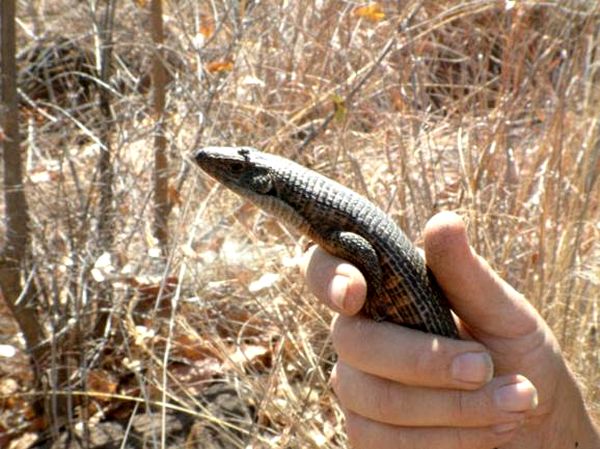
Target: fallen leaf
<point>155,252</point>
<point>97,275</point>
<point>250,80</point>
<point>103,267</point>
<point>25,441</point>
<point>193,376</point>
<point>7,351</point>
<point>143,333</point>
<point>102,381</point>
<point>255,356</point>
<point>207,25</point>
<point>173,195</point>
<point>166,286</point>
<point>265,281</point>
<point>339,105</point>
<point>372,12</point>
<point>41,175</point>
<point>104,261</point>
<point>219,66</point>
<point>192,348</point>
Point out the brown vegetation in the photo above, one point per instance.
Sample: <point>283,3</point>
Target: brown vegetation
<point>208,338</point>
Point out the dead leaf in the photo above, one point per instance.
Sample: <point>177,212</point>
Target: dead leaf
<point>7,351</point>
<point>103,267</point>
<point>148,295</point>
<point>265,281</point>
<point>173,195</point>
<point>219,66</point>
<point>44,174</point>
<point>249,356</point>
<point>397,100</point>
<point>192,348</point>
<point>372,12</point>
<point>339,105</point>
<point>25,441</point>
<point>143,335</point>
<point>207,25</point>
<point>101,381</point>
<point>149,292</point>
<point>194,375</point>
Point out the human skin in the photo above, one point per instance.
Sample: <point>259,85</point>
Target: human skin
<point>504,385</point>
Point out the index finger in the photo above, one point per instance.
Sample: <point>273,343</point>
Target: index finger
<point>335,282</point>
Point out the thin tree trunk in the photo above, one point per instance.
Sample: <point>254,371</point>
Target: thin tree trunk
<point>106,211</point>
<point>18,294</point>
<point>161,206</point>
<point>105,169</point>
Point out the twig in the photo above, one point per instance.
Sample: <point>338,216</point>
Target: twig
<point>386,50</point>
<point>316,131</point>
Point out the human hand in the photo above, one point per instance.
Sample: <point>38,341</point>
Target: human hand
<point>504,385</point>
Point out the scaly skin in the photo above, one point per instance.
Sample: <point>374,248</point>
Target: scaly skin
<point>400,288</point>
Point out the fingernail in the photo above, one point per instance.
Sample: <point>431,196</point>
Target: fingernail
<point>473,367</point>
<point>507,427</point>
<point>338,288</point>
<point>516,397</point>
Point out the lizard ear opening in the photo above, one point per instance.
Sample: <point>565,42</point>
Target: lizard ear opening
<point>260,183</point>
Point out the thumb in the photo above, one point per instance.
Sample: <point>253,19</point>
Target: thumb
<point>488,306</point>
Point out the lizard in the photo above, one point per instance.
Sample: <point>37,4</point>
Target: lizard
<point>400,287</point>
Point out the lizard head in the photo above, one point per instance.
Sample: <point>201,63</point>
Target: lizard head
<point>241,169</point>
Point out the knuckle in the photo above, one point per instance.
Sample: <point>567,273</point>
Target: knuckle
<point>462,440</point>
<point>318,268</point>
<point>343,385</point>
<point>432,361</point>
<point>333,326</point>
<point>381,401</point>
<point>472,408</point>
<point>355,431</point>
<point>423,364</point>
<point>348,336</point>
<point>339,385</point>
<point>338,333</point>
<point>459,408</point>
<point>441,232</point>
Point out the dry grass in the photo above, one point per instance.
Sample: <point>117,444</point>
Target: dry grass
<point>488,108</point>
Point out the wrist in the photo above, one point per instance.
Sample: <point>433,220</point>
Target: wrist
<point>572,425</point>
<point>590,432</point>
<point>587,435</point>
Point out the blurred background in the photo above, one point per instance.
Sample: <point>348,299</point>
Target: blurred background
<point>144,306</point>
